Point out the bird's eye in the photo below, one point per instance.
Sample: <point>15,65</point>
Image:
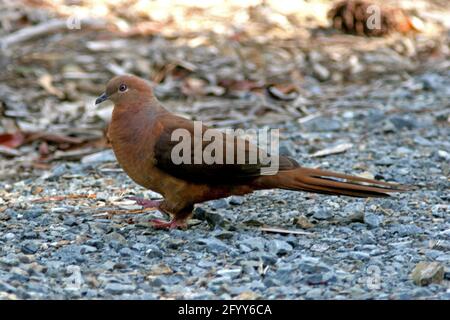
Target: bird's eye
<point>123,88</point>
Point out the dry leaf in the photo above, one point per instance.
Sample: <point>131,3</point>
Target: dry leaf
<point>12,140</point>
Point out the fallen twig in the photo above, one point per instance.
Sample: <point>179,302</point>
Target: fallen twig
<point>43,29</point>
<point>284,231</point>
<point>66,197</point>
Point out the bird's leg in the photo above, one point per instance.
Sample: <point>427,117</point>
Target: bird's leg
<point>178,221</point>
<point>146,203</point>
<point>173,224</point>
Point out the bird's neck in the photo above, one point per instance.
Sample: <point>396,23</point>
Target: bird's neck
<point>129,121</point>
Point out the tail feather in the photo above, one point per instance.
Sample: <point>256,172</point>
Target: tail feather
<point>328,182</point>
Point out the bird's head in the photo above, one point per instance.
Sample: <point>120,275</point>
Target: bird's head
<point>126,89</point>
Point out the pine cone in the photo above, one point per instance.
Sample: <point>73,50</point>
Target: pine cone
<point>359,17</point>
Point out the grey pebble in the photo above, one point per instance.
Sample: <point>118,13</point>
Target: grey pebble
<point>373,220</point>
<point>213,244</point>
<point>322,214</point>
<point>118,288</point>
<point>406,230</point>
<point>279,247</point>
<point>219,204</point>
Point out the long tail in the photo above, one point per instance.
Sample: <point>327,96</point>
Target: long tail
<point>328,182</point>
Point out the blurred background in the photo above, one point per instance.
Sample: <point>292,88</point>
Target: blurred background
<point>229,63</point>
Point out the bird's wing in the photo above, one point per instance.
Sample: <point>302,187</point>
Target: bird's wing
<point>168,147</point>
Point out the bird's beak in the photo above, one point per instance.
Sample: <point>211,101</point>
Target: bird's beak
<point>100,99</point>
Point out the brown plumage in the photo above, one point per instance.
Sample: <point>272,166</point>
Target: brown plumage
<point>140,134</point>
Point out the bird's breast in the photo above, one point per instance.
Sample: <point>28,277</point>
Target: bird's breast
<point>133,146</point>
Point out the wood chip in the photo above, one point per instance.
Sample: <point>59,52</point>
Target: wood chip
<point>340,148</point>
<point>45,82</point>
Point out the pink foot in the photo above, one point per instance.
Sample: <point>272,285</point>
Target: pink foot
<point>173,224</point>
<point>146,203</point>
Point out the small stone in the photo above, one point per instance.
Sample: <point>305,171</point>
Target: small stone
<point>215,219</point>
<point>199,213</point>
<point>426,273</point>
<point>74,279</point>
<point>33,214</point>
<point>108,265</point>
<point>10,260</point>
<point>56,172</point>
<point>231,273</point>
<point>88,249</point>
<point>153,252</point>
<point>355,217</point>
<point>175,243</point>
<point>404,230</point>
<point>19,272</point>
<point>402,123</point>
<point>279,247</point>
<point>320,247</point>
<point>223,235</point>
<point>35,190</point>
<point>60,210</point>
<point>373,220</point>
<point>358,255</point>
<point>315,293</point>
<point>218,281</point>
<point>160,269</point>
<point>320,278</point>
<point>268,259</point>
<point>4,216</point>
<point>431,81</point>
<point>30,235</point>
<point>114,236</point>
<point>400,244</point>
<point>9,236</point>
<point>213,244</point>
<point>30,247</point>
<point>119,266</point>
<point>444,155</point>
<point>303,222</point>
<point>271,282</point>
<point>321,72</point>
<point>312,265</point>
<point>70,221</point>
<point>219,204</point>
<point>322,214</point>
<point>5,287</point>
<point>440,210</point>
<point>323,124</point>
<point>126,252</point>
<point>445,258</point>
<point>156,281</point>
<point>248,295</point>
<point>236,200</point>
<point>118,288</point>
<point>253,243</point>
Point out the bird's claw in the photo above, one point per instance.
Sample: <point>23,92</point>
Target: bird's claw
<point>173,224</point>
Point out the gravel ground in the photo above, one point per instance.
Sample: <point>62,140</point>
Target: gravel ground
<point>85,247</point>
